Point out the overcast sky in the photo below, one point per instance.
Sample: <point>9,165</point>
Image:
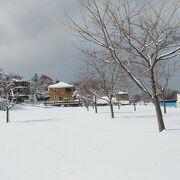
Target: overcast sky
<point>33,39</point>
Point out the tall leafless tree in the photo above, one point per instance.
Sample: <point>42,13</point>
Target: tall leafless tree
<point>108,75</point>
<point>138,37</point>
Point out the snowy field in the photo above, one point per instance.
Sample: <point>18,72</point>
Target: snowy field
<point>72,144</point>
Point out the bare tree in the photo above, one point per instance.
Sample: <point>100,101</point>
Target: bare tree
<point>137,36</point>
<point>5,87</point>
<point>41,82</point>
<point>108,76</point>
<point>163,75</point>
<point>85,87</point>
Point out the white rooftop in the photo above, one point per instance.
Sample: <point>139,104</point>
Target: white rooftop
<point>122,92</point>
<point>60,85</point>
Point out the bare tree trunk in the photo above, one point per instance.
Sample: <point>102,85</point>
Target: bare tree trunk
<point>118,105</point>
<point>87,107</point>
<point>7,113</point>
<point>112,110</point>
<point>86,103</point>
<point>7,106</point>
<point>157,104</point>
<point>134,104</point>
<point>159,115</point>
<point>164,103</point>
<point>95,103</point>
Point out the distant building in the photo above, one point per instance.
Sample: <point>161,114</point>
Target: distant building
<point>122,97</point>
<point>20,90</point>
<point>178,100</point>
<point>61,92</point>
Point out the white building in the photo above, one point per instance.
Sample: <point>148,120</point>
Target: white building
<point>178,100</point>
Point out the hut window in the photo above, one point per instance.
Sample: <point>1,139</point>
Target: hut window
<point>60,98</point>
<point>68,89</point>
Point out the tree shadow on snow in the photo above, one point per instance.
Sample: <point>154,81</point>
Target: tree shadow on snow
<point>37,120</point>
<point>172,129</point>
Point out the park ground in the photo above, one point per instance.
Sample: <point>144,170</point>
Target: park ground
<point>69,143</point>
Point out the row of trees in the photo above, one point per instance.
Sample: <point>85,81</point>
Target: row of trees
<point>137,38</point>
<point>100,79</point>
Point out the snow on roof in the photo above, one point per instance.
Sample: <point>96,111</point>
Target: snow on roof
<point>60,85</point>
<point>122,92</point>
<point>19,80</point>
<point>20,87</point>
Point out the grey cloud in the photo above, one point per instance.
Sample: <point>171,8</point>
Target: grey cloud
<point>34,39</point>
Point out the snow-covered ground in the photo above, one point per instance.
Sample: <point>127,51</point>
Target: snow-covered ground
<point>61,143</point>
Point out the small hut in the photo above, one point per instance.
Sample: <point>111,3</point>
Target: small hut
<point>61,92</point>
<point>122,97</point>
